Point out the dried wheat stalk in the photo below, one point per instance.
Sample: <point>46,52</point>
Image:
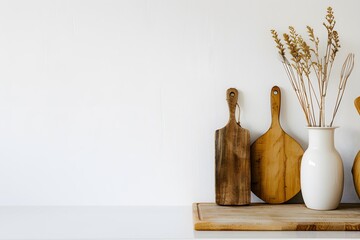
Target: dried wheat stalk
<point>306,62</point>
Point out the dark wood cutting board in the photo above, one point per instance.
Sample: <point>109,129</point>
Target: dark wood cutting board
<point>232,159</point>
<point>275,160</point>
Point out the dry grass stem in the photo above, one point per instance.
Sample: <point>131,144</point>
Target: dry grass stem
<point>306,64</point>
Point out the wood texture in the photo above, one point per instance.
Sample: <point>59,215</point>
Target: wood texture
<point>275,160</point>
<point>356,173</point>
<point>357,104</point>
<point>232,159</point>
<point>356,166</point>
<point>268,217</point>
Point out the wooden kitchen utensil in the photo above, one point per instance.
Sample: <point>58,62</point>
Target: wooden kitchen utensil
<point>356,167</point>
<point>357,104</point>
<point>232,159</point>
<point>275,160</point>
<point>278,217</point>
<point>356,173</point>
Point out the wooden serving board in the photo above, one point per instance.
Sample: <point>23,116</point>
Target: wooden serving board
<point>269,217</point>
<point>356,166</point>
<point>232,159</point>
<point>356,173</point>
<point>357,104</point>
<point>275,160</point>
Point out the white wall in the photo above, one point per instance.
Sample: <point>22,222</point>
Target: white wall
<point>117,102</point>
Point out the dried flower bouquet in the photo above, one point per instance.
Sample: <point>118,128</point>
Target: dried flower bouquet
<point>306,64</point>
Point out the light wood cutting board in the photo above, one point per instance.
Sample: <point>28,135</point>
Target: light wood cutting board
<point>275,160</point>
<point>270,217</point>
<point>356,166</point>
<point>232,159</point>
<point>356,173</point>
<point>357,104</point>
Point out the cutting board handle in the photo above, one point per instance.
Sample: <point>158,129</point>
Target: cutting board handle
<point>232,98</point>
<point>275,97</point>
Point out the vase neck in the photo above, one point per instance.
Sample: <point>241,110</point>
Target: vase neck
<point>321,137</point>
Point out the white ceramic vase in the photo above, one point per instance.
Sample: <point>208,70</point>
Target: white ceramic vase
<point>322,172</point>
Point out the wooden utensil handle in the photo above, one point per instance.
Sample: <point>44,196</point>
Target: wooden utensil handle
<point>232,98</point>
<point>275,97</point>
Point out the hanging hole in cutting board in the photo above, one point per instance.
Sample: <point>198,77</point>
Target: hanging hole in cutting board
<point>238,107</point>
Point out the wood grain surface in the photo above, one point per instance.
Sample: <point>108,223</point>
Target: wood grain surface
<point>232,159</point>
<point>356,166</point>
<point>357,104</point>
<point>275,160</point>
<point>356,173</point>
<point>270,217</point>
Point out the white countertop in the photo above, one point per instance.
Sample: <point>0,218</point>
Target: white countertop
<point>124,223</point>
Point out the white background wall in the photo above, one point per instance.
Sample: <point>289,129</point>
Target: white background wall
<point>117,102</point>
